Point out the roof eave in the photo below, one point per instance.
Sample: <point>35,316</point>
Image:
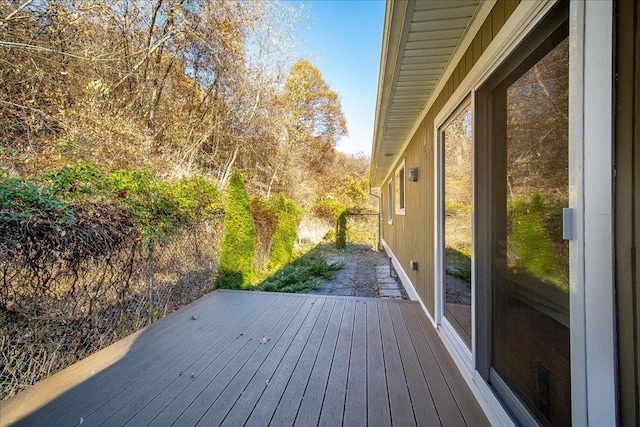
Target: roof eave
<point>398,16</point>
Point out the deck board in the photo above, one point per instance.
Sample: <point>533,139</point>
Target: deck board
<point>328,361</point>
<point>355,407</point>
<point>399,399</point>
<point>189,407</point>
<point>309,411</point>
<point>332,411</point>
<point>273,374</point>
<point>378,411</point>
<point>466,403</point>
<point>460,317</point>
<point>255,366</point>
<point>421,399</point>
<point>287,409</point>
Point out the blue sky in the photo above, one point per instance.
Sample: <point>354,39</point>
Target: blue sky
<point>343,40</point>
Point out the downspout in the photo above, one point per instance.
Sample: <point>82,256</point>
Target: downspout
<point>379,245</point>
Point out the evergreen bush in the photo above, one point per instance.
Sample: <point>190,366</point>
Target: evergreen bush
<point>534,250</point>
<point>285,234</point>
<point>239,241</point>
<point>341,230</point>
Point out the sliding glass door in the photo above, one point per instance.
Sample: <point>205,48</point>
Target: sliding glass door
<point>523,188</point>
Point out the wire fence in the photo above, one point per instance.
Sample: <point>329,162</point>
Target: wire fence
<point>60,310</point>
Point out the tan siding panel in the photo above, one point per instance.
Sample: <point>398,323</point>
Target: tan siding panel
<point>509,7</point>
<point>498,17</point>
<point>487,31</point>
<point>477,47</point>
<point>468,60</point>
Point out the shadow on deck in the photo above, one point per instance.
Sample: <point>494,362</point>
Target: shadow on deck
<point>250,358</point>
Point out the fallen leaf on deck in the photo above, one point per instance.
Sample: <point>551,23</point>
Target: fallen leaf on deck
<point>264,340</point>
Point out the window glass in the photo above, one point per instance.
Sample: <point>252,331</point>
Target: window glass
<point>457,140</point>
<point>390,202</point>
<point>399,193</point>
<point>531,330</point>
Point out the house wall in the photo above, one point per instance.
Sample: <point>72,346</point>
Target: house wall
<point>627,201</point>
<point>411,236</point>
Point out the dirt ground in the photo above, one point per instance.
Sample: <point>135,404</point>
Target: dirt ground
<point>358,277</point>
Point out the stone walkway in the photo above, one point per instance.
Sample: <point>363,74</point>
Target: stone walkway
<point>365,274</point>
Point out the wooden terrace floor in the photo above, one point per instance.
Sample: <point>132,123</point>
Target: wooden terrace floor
<point>248,358</point>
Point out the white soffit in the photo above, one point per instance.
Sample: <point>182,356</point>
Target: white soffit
<point>420,38</point>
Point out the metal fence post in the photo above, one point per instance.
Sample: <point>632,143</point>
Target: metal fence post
<point>150,265</point>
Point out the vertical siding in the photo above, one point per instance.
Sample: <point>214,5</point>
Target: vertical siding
<point>411,236</point>
<point>627,201</point>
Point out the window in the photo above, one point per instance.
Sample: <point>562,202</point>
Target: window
<point>390,202</point>
<point>400,193</point>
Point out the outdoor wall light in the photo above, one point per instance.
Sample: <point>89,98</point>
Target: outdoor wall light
<point>413,174</point>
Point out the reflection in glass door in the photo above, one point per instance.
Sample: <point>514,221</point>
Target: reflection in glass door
<point>529,261</point>
<point>457,170</point>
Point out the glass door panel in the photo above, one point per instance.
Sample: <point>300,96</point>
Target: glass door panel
<point>530,302</point>
<point>458,215</point>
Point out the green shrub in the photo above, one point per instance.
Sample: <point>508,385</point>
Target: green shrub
<point>83,178</point>
<point>328,208</point>
<point>533,247</point>
<point>162,207</point>
<point>286,232</point>
<point>341,231</point>
<point>159,207</point>
<point>195,197</point>
<point>239,241</point>
<point>21,201</point>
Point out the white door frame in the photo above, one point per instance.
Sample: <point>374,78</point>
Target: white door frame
<point>592,296</point>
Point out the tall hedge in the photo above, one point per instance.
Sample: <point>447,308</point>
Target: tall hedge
<point>239,241</point>
<point>285,234</point>
<point>341,230</point>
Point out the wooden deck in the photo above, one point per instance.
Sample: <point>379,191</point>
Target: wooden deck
<point>248,358</point>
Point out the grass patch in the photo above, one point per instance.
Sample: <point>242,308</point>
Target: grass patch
<point>458,264</point>
<point>305,273</point>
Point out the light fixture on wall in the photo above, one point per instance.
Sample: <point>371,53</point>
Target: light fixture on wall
<point>413,174</point>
